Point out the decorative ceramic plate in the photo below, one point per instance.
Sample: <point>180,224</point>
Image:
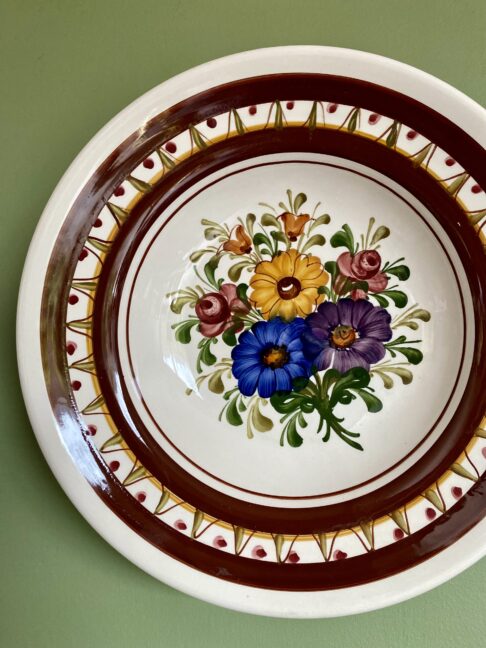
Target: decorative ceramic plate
<point>251,332</point>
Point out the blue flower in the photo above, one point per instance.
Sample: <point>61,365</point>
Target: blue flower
<point>269,356</point>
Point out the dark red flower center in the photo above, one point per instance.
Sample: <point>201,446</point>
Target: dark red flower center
<point>213,308</point>
<point>275,357</point>
<point>343,337</point>
<point>288,287</point>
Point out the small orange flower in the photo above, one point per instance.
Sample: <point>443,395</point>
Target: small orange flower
<point>241,244</point>
<point>294,224</point>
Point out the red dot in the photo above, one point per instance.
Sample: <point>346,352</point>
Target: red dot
<point>114,465</point>
<point>119,191</point>
<point>92,429</point>
<point>219,542</point>
<point>290,105</point>
<point>476,189</point>
<point>83,255</point>
<point>98,223</point>
<point>430,514</point>
<point>450,161</point>
<point>258,552</point>
<point>340,555</point>
<point>412,134</point>
<point>73,299</point>
<point>456,492</point>
<point>71,347</point>
<point>148,163</point>
<point>141,497</point>
<point>331,108</point>
<point>398,534</point>
<point>76,385</point>
<point>211,122</point>
<point>252,110</point>
<point>293,557</point>
<point>373,118</point>
<point>171,147</point>
<point>180,525</point>
<point>484,452</point>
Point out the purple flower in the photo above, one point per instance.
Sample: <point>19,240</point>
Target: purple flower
<point>346,334</point>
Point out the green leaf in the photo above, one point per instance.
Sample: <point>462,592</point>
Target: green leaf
<point>229,337</point>
<point>88,366</point>
<point>239,536</point>
<point>215,383</point>
<point>380,299</point>
<point>116,439</point>
<point>162,501</point>
<point>414,356</point>
<point>240,127</point>
<point>421,314</point>
<point>405,375</point>
<point>102,246</point>
<point>324,219</point>
<point>94,405</point>
<point>242,291</point>
<point>397,296</point>
<point>183,330</point>
<point>118,213</point>
<point>205,356</point>
<point>353,120</point>
<point>312,118</point>
<point>232,415</point>
<point>279,540</point>
<point>317,239</point>
<point>434,499</point>
<point>373,404</point>
<point>293,437</point>
<point>420,156</point>
<point>210,268</point>
<point>167,162</point>
<point>90,286</point>
<point>382,232</point>
<point>250,221</point>
<point>401,271</point>
<point>455,187</point>
<point>197,521</point>
<point>197,138</point>
<point>367,529</point>
<point>268,220</point>
<point>261,239</point>
<point>458,469</point>
<point>210,233</point>
<point>391,140</point>
<point>299,200</point>
<point>176,305</point>
<point>139,185</point>
<point>278,124</point>
<point>198,254</point>
<point>136,474</point>
<point>332,268</point>
<point>278,236</point>
<point>260,422</point>
<point>343,238</point>
<point>235,271</point>
<point>399,519</point>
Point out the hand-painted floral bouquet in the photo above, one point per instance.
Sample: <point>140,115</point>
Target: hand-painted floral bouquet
<point>307,335</point>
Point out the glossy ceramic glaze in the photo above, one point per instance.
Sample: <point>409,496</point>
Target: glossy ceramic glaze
<point>270,295</point>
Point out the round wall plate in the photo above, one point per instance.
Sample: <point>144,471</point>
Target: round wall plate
<point>251,332</point>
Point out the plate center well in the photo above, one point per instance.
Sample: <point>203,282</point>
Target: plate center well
<point>324,235</point>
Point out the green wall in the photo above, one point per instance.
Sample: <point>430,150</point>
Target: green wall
<point>65,69</point>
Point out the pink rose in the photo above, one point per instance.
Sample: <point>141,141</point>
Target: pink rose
<point>216,309</point>
<point>363,266</point>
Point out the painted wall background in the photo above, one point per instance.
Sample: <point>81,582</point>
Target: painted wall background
<point>66,67</point>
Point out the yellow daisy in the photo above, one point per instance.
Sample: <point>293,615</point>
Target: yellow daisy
<point>288,285</point>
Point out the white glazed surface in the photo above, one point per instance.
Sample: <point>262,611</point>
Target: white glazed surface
<point>454,105</point>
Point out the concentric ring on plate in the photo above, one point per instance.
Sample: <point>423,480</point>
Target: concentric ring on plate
<point>337,142</point>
